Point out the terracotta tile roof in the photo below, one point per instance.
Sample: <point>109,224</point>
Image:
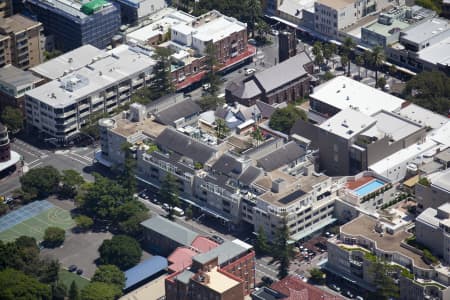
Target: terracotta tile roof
<point>296,289</point>
<point>181,258</point>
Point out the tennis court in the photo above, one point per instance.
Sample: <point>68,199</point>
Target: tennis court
<point>33,219</point>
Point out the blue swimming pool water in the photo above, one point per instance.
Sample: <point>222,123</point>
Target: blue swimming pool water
<point>369,187</point>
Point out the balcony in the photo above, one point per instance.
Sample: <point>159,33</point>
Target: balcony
<point>124,88</point>
<point>137,82</point>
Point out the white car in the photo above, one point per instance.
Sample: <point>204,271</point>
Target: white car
<point>206,86</point>
<point>250,71</point>
<point>274,32</point>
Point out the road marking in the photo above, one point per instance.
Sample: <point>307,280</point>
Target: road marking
<point>80,161</point>
<point>20,149</point>
<point>39,163</point>
<point>32,162</point>
<point>83,157</point>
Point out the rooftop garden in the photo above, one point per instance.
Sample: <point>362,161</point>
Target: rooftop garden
<point>427,256</point>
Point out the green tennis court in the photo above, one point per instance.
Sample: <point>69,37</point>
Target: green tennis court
<point>35,226</point>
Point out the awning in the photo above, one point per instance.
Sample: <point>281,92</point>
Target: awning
<point>411,182</point>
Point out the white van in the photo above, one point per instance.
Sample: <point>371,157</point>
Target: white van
<point>178,211</point>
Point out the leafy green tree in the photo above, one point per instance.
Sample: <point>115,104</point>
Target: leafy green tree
<point>54,236</point>
<point>317,48</point>
<point>344,60</point>
<point>377,59</point>
<point>100,291</point>
<point>328,76</point>
<point>317,275</point>
<point>368,60</point>
<point>381,82</point>
<point>59,291</point>
<point>284,251</point>
<point>435,5</point>
<point>430,90</point>
<point>142,96</point>
<point>222,129</point>
<point>349,45</point>
<point>261,245</point>
<point>262,28</point>
<point>189,213</point>
<point>122,251</point>
<point>392,70</point>
<point>74,293</point>
<point>41,181</point>
<point>168,193</point>
<point>13,118</point>
<point>383,280</point>
<point>51,54</point>
<point>126,178</point>
<point>328,51</point>
<point>211,64</point>
<point>257,135</point>
<point>15,285</point>
<point>359,62</point>
<point>110,274</point>
<point>70,181</point>
<point>84,222</point>
<point>131,224</point>
<point>254,12</point>
<point>284,118</point>
<point>161,83</point>
<point>210,102</point>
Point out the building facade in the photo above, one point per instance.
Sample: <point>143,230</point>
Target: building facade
<point>74,25</point>
<point>434,191</point>
<point>134,10</point>
<point>25,42</point>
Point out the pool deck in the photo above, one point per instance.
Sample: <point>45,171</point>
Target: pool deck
<point>353,185</point>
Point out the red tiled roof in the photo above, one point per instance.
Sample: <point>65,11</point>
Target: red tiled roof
<point>296,289</point>
<point>352,185</point>
<point>181,258</point>
<point>203,244</point>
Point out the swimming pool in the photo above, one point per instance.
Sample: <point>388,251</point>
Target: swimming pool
<point>369,187</point>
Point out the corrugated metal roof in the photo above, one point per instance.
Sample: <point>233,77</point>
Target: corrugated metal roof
<point>171,230</point>
<point>144,270</point>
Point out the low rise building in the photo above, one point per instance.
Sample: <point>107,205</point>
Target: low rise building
<point>59,108</point>
<point>433,191</point>
<point>8,157</point>
<point>284,82</point>
<point>26,40</point>
<point>132,11</point>
<point>365,240</point>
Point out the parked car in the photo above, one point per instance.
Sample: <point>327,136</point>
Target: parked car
<point>267,280</point>
<point>335,287</point>
<point>206,86</point>
<point>80,271</point>
<point>249,71</point>
<point>348,294</point>
<point>217,239</point>
<point>252,42</point>
<point>178,211</point>
<point>165,206</point>
<point>72,268</point>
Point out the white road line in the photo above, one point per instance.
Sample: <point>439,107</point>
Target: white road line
<point>32,162</point>
<point>19,149</point>
<point>35,165</point>
<point>81,162</point>
<point>80,156</point>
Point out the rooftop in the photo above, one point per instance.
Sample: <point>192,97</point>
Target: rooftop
<point>171,230</point>
<point>364,226</point>
<point>68,62</point>
<point>17,78</point>
<point>180,110</point>
<point>423,116</point>
<point>426,30</point>
<point>218,281</point>
<point>181,258</point>
<point>225,252</point>
<point>348,123</point>
<point>283,73</point>
<point>125,127</point>
<point>203,244</point>
<point>217,29</point>
<point>296,7</point>
<point>392,125</point>
<point>444,155</point>
<point>295,289</point>
<point>442,180</point>
<point>343,92</point>
<point>16,24</point>
<point>387,30</point>
<point>73,8</point>
<point>120,63</point>
<point>437,53</point>
<point>441,135</point>
<point>282,156</point>
<point>337,4</point>
<point>144,270</point>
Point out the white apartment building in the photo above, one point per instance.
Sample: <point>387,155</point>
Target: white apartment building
<point>59,108</point>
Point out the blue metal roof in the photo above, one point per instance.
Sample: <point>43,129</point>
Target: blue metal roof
<point>144,270</point>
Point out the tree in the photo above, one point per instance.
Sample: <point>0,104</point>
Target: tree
<point>142,96</point>
<point>211,64</point>
<point>262,28</point>
<point>381,82</point>
<point>15,285</point>
<point>100,291</point>
<point>59,291</point>
<point>54,236</point>
<point>430,90</point>
<point>261,245</point>
<point>41,181</point>
<point>257,135</point>
<point>132,225</point>
<point>168,193</point>
<point>189,213</point>
<point>210,102</point>
<point>359,62</point>
<point>284,118</point>
<point>344,60</point>
<point>74,293</point>
<point>126,177</point>
<point>318,59</point>
<point>317,275</point>
<point>328,51</point>
<point>349,46</point>
<point>435,5</point>
<point>367,56</point>
<point>110,274</point>
<point>318,53</point>
<point>13,118</point>
<point>122,251</point>
<point>377,59</point>
<point>392,70</point>
<point>84,222</point>
<point>284,251</point>
<point>383,281</point>
<point>222,129</point>
<point>70,181</point>
<point>161,83</point>
<point>254,12</point>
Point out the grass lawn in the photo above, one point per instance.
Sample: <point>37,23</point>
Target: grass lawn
<point>67,277</point>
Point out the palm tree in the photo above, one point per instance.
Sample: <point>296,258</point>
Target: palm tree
<point>257,135</point>
<point>349,45</point>
<point>377,59</point>
<point>254,12</point>
<point>262,28</point>
<point>359,62</point>
<point>221,128</point>
<point>367,56</point>
<point>327,52</point>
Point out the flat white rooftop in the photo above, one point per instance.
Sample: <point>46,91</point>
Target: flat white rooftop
<point>441,135</point>
<point>348,123</point>
<point>343,92</point>
<point>441,180</point>
<point>394,126</point>
<point>68,62</point>
<point>120,63</point>
<point>423,116</point>
<point>438,53</point>
<point>218,29</point>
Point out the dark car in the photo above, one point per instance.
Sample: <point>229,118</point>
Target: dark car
<point>218,239</point>
<point>267,280</point>
<point>79,271</point>
<point>72,268</point>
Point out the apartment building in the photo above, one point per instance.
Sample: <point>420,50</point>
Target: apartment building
<point>434,191</point>
<point>134,10</point>
<point>5,50</point>
<point>74,23</point>
<point>6,8</point>
<point>59,108</point>
<point>14,82</point>
<point>423,47</point>
<point>331,16</point>
<point>25,42</point>
<point>365,240</point>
